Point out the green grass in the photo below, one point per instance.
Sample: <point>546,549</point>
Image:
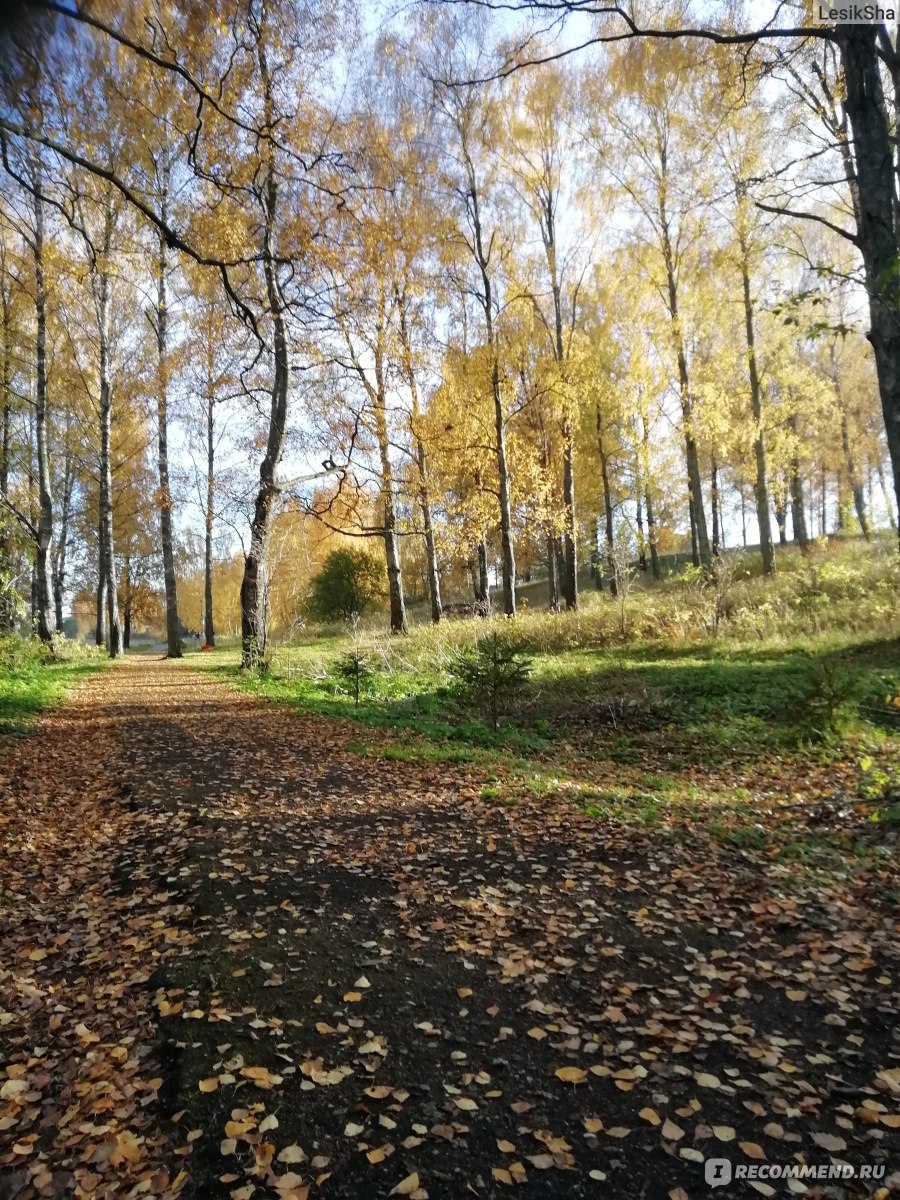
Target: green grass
<point>401,698</point>
<point>706,693</point>
<point>670,725</point>
<point>33,686</point>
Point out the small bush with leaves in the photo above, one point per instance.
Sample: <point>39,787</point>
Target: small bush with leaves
<point>22,653</point>
<point>351,580</point>
<point>831,701</point>
<point>490,672</point>
<point>70,650</point>
<point>355,671</point>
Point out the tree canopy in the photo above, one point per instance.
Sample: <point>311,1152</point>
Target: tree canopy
<point>506,301</point>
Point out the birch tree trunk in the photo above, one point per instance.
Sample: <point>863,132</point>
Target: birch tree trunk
<point>254,584</point>
<point>391,547</point>
<point>570,527</point>
<point>128,602</point>
<point>421,459</point>
<point>209,631</point>
<point>507,549</point>
<point>886,496</point>
<point>481,254</point>
<point>173,625</point>
<point>484,583</point>
<point>761,483</point>
<point>100,624</point>
<point>7,598</point>
<point>714,505</point>
<point>652,536</point>
<point>62,542</point>
<point>570,532</point>
<point>877,233</point>
<point>856,487</point>
<point>798,512</point>
<point>652,539</point>
<point>699,535</point>
<point>108,551</point>
<point>44,539</point>
<point>552,576</point>
<point>607,507</point>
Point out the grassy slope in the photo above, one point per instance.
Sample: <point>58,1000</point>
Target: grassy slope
<point>787,704</point>
<point>30,689</point>
<point>725,693</point>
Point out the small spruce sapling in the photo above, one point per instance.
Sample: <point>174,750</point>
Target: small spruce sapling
<point>624,572</point>
<point>490,672</point>
<point>831,701</point>
<point>355,670</point>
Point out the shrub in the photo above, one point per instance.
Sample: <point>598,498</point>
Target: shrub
<point>354,670</point>
<point>21,653</point>
<point>70,650</point>
<point>489,672</point>
<point>831,700</point>
<point>350,581</point>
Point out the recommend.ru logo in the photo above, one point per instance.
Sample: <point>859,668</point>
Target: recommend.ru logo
<point>718,1171</point>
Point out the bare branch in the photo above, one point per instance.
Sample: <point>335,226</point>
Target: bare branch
<point>802,215</point>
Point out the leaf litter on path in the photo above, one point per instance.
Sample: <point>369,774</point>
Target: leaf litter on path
<point>238,960</point>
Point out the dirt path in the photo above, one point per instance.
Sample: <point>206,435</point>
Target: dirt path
<point>238,960</point>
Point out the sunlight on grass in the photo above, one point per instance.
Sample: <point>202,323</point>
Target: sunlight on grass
<point>31,682</point>
<point>654,731</point>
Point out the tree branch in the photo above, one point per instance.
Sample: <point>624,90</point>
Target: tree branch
<point>20,516</point>
<point>802,215</point>
<point>173,239</point>
<point>630,32</point>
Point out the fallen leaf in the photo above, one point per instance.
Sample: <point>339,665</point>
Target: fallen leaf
<point>703,1079</point>
<point>571,1074</point>
<point>691,1154</point>
<point>292,1154</point>
<point>258,1075</point>
<point>829,1142</point>
<point>406,1186</point>
<point>752,1150</point>
<point>543,1162</point>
